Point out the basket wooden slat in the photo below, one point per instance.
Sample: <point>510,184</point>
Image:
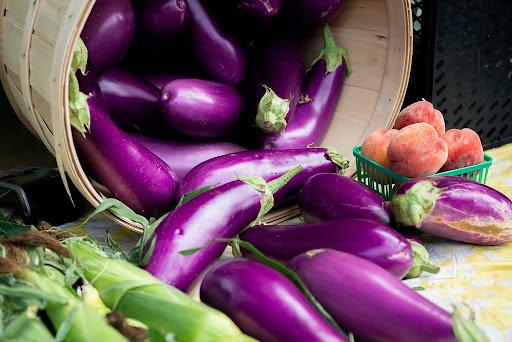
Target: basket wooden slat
<point>37,39</point>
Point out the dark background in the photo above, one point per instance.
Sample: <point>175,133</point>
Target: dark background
<point>18,147</point>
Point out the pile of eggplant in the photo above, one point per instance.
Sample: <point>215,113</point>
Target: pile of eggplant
<point>204,114</point>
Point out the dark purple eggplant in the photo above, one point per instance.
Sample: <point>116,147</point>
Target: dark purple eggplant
<point>131,172</point>
<point>201,108</point>
<point>132,102</point>
<point>313,11</point>
<point>264,303</point>
<point>219,54</point>
<point>329,196</point>
<point>161,80</point>
<point>454,208</point>
<point>374,305</point>
<point>266,164</point>
<point>256,9</point>
<point>221,212</point>
<point>371,240</point>
<point>278,76</point>
<point>159,19</point>
<point>108,33</point>
<point>184,156</point>
<point>321,92</point>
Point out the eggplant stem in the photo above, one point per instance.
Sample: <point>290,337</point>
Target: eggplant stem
<point>338,159</point>
<point>333,55</point>
<point>466,329</point>
<point>421,262</point>
<point>272,112</point>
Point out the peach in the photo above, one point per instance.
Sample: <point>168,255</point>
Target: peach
<point>375,146</point>
<point>464,148</point>
<point>421,111</point>
<point>417,151</point>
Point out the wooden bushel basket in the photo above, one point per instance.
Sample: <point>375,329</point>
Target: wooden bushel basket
<point>37,38</point>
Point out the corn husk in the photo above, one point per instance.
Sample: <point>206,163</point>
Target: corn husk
<point>140,296</point>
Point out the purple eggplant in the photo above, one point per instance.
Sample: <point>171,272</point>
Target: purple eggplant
<point>132,102</point>
<point>221,212</point>
<point>161,80</point>
<point>160,19</point>
<point>220,55</point>
<point>329,196</point>
<point>367,239</point>
<point>278,76</point>
<point>256,9</point>
<point>201,108</point>
<point>313,11</point>
<point>108,33</point>
<point>184,156</point>
<point>320,95</point>
<point>454,208</point>
<point>130,171</point>
<point>373,304</point>
<point>266,164</point>
<point>264,303</point>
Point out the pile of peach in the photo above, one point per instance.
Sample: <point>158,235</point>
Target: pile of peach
<point>418,145</point>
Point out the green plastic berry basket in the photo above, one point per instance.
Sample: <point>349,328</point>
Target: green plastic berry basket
<point>385,182</point>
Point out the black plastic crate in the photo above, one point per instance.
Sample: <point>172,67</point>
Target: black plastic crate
<point>462,62</point>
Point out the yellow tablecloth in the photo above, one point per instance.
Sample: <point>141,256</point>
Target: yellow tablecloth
<point>478,276</point>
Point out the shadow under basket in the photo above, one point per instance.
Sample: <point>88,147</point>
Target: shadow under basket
<point>385,182</point>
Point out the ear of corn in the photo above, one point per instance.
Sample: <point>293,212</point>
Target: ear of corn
<point>27,328</point>
<point>138,295</point>
<point>72,318</point>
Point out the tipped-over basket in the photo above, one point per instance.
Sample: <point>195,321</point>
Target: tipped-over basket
<point>37,38</point>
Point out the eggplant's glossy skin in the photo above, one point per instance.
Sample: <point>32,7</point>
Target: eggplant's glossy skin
<point>161,80</point>
<point>264,303</point>
<point>371,240</point>
<point>280,67</point>
<point>459,209</point>
<point>267,164</point>
<point>218,213</point>
<point>257,9</point>
<point>314,11</point>
<point>131,172</point>
<point>108,33</point>
<point>184,156</point>
<point>311,120</point>
<point>370,302</point>
<point>132,102</point>
<point>159,19</point>
<point>331,196</point>
<point>201,108</point>
<point>220,55</point>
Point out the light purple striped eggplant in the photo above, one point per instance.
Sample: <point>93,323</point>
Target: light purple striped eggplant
<point>455,208</point>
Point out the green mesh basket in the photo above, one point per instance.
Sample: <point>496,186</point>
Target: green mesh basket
<point>385,182</point>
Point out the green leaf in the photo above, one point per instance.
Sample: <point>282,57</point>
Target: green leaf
<point>192,251</point>
<point>9,229</point>
<point>118,252</point>
<point>418,288</point>
<point>119,208</point>
<point>149,253</point>
<point>26,292</point>
<point>137,255</point>
<point>188,196</point>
